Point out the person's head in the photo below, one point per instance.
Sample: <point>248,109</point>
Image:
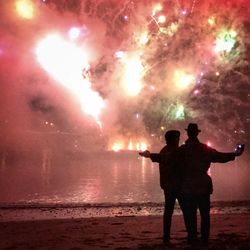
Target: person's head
<point>172,137</point>
<point>192,130</point>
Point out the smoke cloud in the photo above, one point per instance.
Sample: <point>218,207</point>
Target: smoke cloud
<point>156,66</point>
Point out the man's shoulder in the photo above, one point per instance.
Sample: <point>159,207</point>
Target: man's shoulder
<point>203,145</point>
<point>206,147</point>
<point>194,145</point>
<point>180,150</point>
<point>165,149</point>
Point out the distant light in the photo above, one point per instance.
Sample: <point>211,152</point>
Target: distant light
<point>158,7</point>
<point>184,12</point>
<point>143,38</point>
<point>65,61</point>
<point>211,21</point>
<point>225,41</point>
<point>182,79</point>
<point>25,8</point>
<point>130,145</point>
<point>74,33</point>
<point>162,128</point>
<point>209,144</point>
<point>217,73</point>
<point>196,92</point>
<point>162,19</point>
<point>137,116</point>
<point>143,146</point>
<point>233,33</point>
<point>119,54</point>
<point>126,18</point>
<point>116,147</point>
<point>132,76</point>
<point>180,112</point>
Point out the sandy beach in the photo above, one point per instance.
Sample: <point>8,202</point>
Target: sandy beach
<point>228,231</point>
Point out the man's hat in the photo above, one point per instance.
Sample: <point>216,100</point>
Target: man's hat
<point>172,135</point>
<point>192,127</point>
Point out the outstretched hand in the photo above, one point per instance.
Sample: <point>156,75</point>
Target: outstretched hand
<point>240,149</point>
<point>145,153</point>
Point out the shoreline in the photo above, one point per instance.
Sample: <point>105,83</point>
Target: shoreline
<point>110,204</point>
<point>31,212</point>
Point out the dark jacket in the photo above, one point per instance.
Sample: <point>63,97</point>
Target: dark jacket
<point>195,158</point>
<point>169,172</point>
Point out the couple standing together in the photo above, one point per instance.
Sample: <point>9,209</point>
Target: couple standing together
<point>183,176</point>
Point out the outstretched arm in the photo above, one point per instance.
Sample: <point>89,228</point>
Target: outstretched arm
<point>145,153</point>
<point>225,157</point>
<point>222,157</point>
<point>153,156</point>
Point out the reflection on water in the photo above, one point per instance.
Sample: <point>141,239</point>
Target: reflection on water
<point>46,166</point>
<point>3,161</point>
<point>46,177</point>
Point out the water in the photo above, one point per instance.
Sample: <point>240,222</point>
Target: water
<point>66,178</point>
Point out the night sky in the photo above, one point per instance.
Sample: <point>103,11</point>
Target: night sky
<point>117,74</point>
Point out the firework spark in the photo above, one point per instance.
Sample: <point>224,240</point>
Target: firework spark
<point>65,62</point>
<point>25,8</point>
<point>169,61</point>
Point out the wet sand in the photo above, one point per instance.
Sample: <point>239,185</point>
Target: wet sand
<point>228,231</point>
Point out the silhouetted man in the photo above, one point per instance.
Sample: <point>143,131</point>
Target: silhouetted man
<point>195,158</point>
<point>170,179</point>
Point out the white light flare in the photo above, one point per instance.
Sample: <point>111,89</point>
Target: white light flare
<point>130,145</point>
<point>133,74</point>
<point>117,147</point>
<point>184,12</point>
<point>225,41</point>
<point>196,92</point>
<point>25,8</point>
<point>162,19</point>
<point>74,33</point>
<point>143,146</point>
<point>120,145</point>
<point>183,80</point>
<point>65,62</point>
<point>143,39</point>
<point>152,87</point>
<point>119,54</point>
